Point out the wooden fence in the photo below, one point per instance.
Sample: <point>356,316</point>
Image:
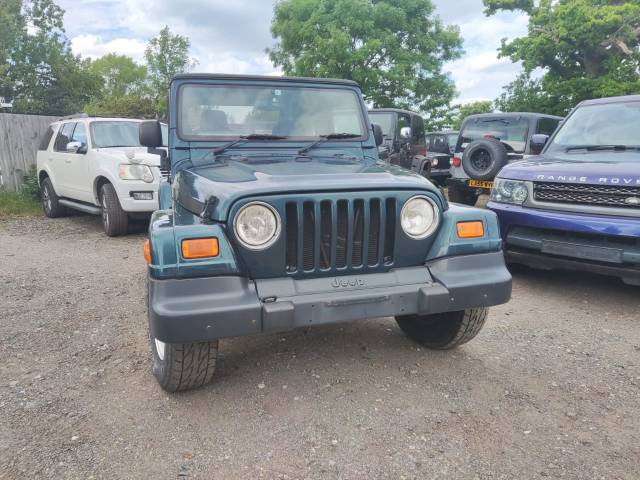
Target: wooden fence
<point>19,139</point>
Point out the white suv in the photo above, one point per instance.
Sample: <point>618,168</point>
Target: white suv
<point>97,166</point>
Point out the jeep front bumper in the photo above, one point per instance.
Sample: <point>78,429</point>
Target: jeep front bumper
<point>201,309</point>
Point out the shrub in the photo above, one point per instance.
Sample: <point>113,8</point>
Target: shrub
<point>30,187</point>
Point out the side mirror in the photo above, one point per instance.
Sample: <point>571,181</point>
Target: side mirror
<point>405,133</point>
<point>150,134</point>
<point>377,134</point>
<point>537,143</point>
<point>73,147</point>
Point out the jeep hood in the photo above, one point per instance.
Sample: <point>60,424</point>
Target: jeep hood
<point>621,168</point>
<point>219,185</point>
<point>131,155</point>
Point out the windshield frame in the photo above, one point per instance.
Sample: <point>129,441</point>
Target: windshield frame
<point>553,147</point>
<point>276,85</point>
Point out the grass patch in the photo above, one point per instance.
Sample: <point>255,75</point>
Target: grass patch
<point>26,202</point>
<point>19,204</point>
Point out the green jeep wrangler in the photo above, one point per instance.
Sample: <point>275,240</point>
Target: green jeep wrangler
<point>278,214</point>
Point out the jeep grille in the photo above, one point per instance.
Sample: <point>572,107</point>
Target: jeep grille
<point>581,194</point>
<point>339,234</point>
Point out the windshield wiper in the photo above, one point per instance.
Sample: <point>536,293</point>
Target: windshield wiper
<point>325,138</point>
<point>593,148</point>
<point>246,138</point>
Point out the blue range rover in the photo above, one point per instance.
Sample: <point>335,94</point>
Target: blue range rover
<point>577,205</point>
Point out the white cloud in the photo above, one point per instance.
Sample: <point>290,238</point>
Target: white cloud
<point>229,36</point>
<point>93,46</point>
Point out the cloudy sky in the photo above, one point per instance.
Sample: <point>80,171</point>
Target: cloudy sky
<point>229,36</point>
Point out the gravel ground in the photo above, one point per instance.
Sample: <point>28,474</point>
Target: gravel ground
<point>549,389</point>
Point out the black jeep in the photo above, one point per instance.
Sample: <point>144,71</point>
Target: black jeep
<point>440,149</point>
<point>404,137</point>
<point>489,141</point>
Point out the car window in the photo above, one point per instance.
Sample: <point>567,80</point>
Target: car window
<point>512,132</point>
<point>64,136</point>
<point>418,129</point>
<point>452,139</point>
<point>109,134</point>
<point>80,134</point>
<point>403,121</point>
<point>440,144</point>
<point>547,126</point>
<point>385,120</point>
<point>214,111</point>
<point>46,139</point>
<point>601,124</point>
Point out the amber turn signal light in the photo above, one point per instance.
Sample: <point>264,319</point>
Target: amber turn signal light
<point>147,251</point>
<point>470,229</point>
<point>200,248</point>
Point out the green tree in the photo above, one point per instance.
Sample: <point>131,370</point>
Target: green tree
<point>120,75</point>
<point>584,48</point>
<point>42,75</point>
<point>126,106</point>
<point>125,91</point>
<point>166,55</point>
<point>11,29</point>
<point>395,49</point>
<point>471,108</point>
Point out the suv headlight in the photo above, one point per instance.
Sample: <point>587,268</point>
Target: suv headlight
<point>134,171</point>
<point>257,225</point>
<point>509,191</point>
<point>419,217</point>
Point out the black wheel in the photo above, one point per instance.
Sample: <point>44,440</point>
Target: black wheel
<point>183,366</point>
<point>444,330</point>
<point>459,194</point>
<point>50,204</point>
<point>114,219</point>
<point>483,159</point>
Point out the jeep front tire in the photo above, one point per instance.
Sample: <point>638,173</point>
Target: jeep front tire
<point>114,219</point>
<point>183,366</point>
<point>443,331</point>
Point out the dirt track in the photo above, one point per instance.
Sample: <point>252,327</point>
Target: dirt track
<point>549,389</point>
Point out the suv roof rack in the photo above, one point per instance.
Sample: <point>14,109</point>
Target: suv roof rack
<point>75,115</point>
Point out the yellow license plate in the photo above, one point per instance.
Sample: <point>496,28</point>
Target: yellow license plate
<point>480,184</point>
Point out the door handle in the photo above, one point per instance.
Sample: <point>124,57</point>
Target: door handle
<point>67,161</point>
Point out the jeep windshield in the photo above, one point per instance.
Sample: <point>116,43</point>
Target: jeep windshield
<point>285,113</point>
<point>600,127</point>
<point>111,134</point>
<point>511,131</point>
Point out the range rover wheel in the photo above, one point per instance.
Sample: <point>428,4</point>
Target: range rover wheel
<point>444,330</point>
<point>183,366</point>
<point>114,219</point>
<point>50,205</point>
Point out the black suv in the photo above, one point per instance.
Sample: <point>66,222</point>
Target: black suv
<point>440,149</point>
<point>404,137</point>
<point>487,142</point>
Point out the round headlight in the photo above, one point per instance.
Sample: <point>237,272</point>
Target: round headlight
<point>419,217</point>
<point>257,225</point>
